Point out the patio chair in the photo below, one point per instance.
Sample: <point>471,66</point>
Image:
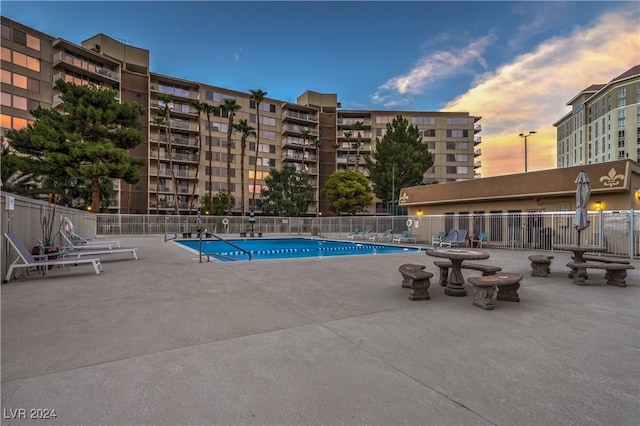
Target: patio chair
<point>78,251</point>
<point>27,260</point>
<point>355,233</point>
<point>67,228</point>
<point>437,239</point>
<point>409,237</point>
<point>365,234</point>
<point>405,237</point>
<point>482,238</point>
<point>454,238</point>
<point>384,237</point>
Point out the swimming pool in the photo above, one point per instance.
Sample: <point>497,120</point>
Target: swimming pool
<point>288,248</point>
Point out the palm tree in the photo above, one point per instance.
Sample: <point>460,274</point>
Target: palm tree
<point>158,121</point>
<point>358,127</point>
<point>245,131</point>
<point>347,135</point>
<point>231,107</point>
<point>208,110</point>
<point>316,146</point>
<point>257,96</point>
<point>166,110</point>
<point>305,135</point>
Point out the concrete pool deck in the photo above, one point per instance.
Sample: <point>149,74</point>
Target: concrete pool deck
<point>168,340</point>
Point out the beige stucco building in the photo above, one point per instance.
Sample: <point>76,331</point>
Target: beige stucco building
<point>308,133</point>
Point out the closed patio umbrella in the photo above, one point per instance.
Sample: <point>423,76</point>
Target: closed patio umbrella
<point>583,192</point>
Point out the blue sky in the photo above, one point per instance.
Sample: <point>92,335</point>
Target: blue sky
<point>515,64</point>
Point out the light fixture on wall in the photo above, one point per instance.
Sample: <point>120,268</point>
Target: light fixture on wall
<point>638,193</point>
<point>420,213</point>
<point>598,205</point>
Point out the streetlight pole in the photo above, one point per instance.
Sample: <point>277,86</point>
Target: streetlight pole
<point>522,135</point>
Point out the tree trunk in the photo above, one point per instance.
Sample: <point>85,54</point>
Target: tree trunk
<point>210,158</point>
<point>243,147</point>
<point>229,205</point>
<point>95,195</point>
<point>174,183</point>
<point>255,167</point>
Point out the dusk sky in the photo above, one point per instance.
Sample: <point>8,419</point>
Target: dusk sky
<point>515,64</point>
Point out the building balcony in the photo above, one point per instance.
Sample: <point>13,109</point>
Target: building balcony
<point>299,116</point>
<point>477,164</point>
<point>294,128</point>
<point>477,141</point>
<point>297,156</point>
<point>477,152</point>
<point>180,110</point>
<point>477,128</point>
<point>363,135</point>
<point>191,95</point>
<point>86,68</point>
<point>180,157</point>
<point>177,173</point>
<point>348,122</point>
<point>177,141</point>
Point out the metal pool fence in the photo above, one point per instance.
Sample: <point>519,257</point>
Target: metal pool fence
<point>619,231</point>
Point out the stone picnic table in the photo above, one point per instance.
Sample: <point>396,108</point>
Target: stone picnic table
<point>455,284</point>
<point>579,251</point>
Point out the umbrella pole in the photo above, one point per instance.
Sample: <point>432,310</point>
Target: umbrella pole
<point>578,238</point>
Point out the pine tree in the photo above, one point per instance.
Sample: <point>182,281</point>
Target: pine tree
<point>89,138</point>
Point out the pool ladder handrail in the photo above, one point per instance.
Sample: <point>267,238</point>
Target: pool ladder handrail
<point>202,234</point>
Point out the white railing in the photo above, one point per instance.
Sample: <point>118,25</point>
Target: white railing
<point>619,231</point>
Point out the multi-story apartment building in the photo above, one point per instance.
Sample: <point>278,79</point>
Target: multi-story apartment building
<point>314,133</point>
<point>603,124</point>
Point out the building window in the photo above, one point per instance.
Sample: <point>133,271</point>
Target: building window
<point>20,102</point>
<point>621,155</point>
<point>457,133</point>
<point>5,76</point>
<point>19,80</point>
<point>33,42</point>
<point>621,143</point>
<point>622,92</point>
<point>384,119</point>
<point>6,34</point>
<point>621,122</point>
<point>457,121</point>
<point>264,106</point>
<point>622,102</point>
<point>19,37</point>
<point>416,121</point>
<point>6,54</point>
<point>429,133</point>
<point>266,134</point>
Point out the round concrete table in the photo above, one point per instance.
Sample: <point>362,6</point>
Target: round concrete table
<point>579,274</point>
<point>579,251</point>
<point>455,285</point>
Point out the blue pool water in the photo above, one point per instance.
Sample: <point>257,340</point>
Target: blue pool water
<point>287,248</point>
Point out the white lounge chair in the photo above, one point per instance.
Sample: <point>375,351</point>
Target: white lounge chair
<point>67,228</point>
<point>27,260</point>
<point>364,235</point>
<point>437,239</point>
<point>385,236</point>
<point>455,238</point>
<point>354,234</point>
<point>78,251</point>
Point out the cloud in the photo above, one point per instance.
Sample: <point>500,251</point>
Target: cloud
<point>434,67</point>
<point>531,92</point>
